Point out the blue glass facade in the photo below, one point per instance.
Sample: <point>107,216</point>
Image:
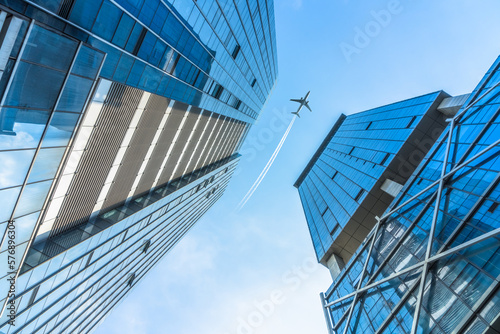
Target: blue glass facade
<point>120,125</point>
<point>339,184</point>
<point>431,264</point>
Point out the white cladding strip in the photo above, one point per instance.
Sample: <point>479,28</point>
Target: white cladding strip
<point>181,126</point>
<point>211,148</point>
<point>81,140</point>
<point>187,142</point>
<point>223,142</point>
<point>147,158</point>
<point>197,166</point>
<point>228,141</point>
<point>121,153</point>
<point>198,143</point>
<point>217,143</point>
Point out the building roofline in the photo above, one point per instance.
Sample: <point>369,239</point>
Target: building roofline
<point>320,150</point>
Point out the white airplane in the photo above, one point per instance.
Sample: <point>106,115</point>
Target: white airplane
<point>303,103</point>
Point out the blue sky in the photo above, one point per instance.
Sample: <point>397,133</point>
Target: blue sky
<point>224,275</point>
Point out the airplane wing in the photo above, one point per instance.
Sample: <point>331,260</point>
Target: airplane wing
<point>295,100</point>
<point>307,106</point>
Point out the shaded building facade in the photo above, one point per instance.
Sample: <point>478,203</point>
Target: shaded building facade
<point>120,125</point>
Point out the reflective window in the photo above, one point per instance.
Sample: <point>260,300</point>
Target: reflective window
<point>46,164</point>
<point>87,62</point>
<point>21,128</point>
<point>33,197</point>
<point>8,198</point>
<point>25,225</point>
<point>14,167</point>
<point>74,94</point>
<point>60,129</point>
<point>48,48</point>
<point>34,87</point>
<point>84,12</point>
<point>107,20</point>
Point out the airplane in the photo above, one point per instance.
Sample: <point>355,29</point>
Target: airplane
<point>303,102</point>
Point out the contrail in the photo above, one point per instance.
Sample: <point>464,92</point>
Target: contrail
<point>266,168</point>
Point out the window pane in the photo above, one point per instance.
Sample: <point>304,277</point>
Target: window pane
<point>14,167</point>
<point>34,87</point>
<point>107,20</point>
<point>123,31</point>
<point>60,129</point>
<point>8,198</point>
<point>46,164</point>
<point>50,49</point>
<point>74,94</point>
<point>33,197</point>
<point>25,226</point>
<point>84,12</point>
<point>87,62</point>
<point>21,128</point>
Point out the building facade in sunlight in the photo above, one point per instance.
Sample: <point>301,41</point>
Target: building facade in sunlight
<point>120,126</point>
<point>430,262</point>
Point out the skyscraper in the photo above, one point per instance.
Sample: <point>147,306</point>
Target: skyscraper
<point>430,263</point>
<point>120,125</point>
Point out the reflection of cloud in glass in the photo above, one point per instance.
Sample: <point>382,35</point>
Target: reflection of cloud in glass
<point>60,129</point>
<point>13,167</point>
<point>21,128</point>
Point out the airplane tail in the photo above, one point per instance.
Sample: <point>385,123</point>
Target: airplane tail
<point>296,113</point>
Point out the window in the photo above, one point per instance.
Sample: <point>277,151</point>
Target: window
<point>217,92</point>
<point>89,259</point>
<point>145,246</point>
<point>33,296</point>
<point>253,82</point>
<point>237,105</point>
<point>387,155</point>
<point>411,122</point>
<point>493,207</point>
<point>324,211</point>
<point>140,39</point>
<point>369,125</point>
<point>124,236</point>
<point>131,279</point>
<point>334,174</point>
<point>352,150</point>
<point>358,196</point>
<point>236,51</point>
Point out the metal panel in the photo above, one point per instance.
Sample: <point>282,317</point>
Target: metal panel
<point>173,125</point>
<point>219,141</point>
<point>134,156</point>
<point>182,140</point>
<point>191,145</point>
<point>211,119</point>
<point>97,159</point>
<point>210,142</point>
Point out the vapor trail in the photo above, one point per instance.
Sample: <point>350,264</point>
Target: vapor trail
<point>266,168</point>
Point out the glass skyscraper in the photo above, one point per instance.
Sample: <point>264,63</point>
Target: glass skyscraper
<point>430,264</point>
<point>120,125</point>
